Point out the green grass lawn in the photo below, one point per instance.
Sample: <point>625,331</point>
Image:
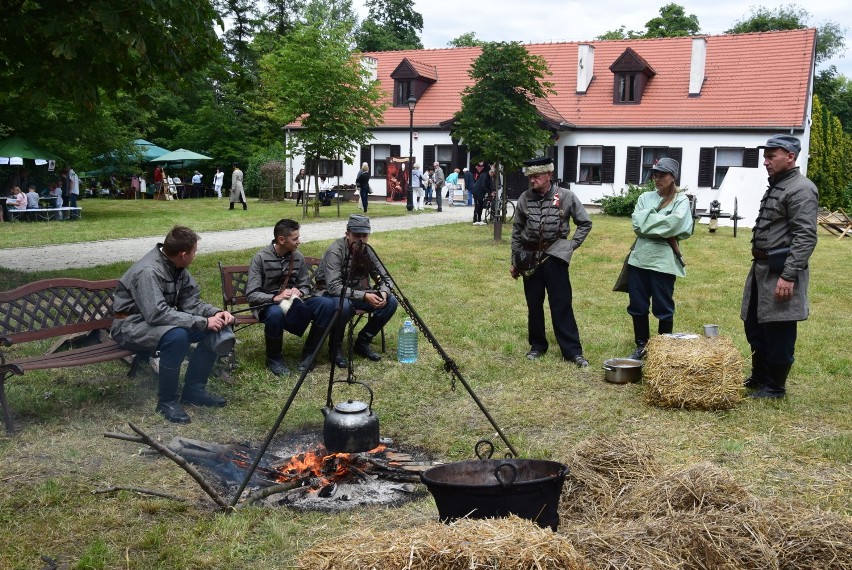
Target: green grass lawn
<point>456,277</point>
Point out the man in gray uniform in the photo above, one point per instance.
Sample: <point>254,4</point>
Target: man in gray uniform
<point>775,296</point>
<point>158,307</point>
<point>541,252</point>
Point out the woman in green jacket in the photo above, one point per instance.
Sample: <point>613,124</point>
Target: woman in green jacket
<point>661,219</point>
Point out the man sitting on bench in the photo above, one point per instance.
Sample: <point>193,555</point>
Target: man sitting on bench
<point>158,307</point>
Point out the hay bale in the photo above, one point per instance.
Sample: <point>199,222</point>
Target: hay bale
<point>600,468</point>
<point>808,539</point>
<point>682,541</point>
<point>696,373</point>
<point>696,489</point>
<point>466,544</point>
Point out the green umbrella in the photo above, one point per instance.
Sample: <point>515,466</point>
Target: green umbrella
<point>14,149</point>
<point>181,155</point>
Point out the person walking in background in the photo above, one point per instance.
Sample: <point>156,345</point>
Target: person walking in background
<point>542,252</point>
<point>438,182</point>
<point>417,186</point>
<point>218,180</point>
<point>158,307</point>
<point>363,183</point>
<point>300,179</point>
<point>483,186</point>
<point>279,272</point>
<point>467,176</point>
<point>661,219</point>
<point>775,296</point>
<point>237,193</point>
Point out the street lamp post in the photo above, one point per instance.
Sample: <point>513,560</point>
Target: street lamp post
<point>409,195</point>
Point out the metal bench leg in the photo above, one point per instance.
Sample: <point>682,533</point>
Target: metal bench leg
<point>7,413</point>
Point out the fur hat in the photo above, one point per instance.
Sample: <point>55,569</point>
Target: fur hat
<point>538,165</point>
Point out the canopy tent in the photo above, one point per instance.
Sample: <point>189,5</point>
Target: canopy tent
<point>15,149</point>
<point>181,155</point>
<point>149,150</point>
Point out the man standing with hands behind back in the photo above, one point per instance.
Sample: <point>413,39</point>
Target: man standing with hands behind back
<point>237,193</point>
<point>541,252</point>
<point>775,296</point>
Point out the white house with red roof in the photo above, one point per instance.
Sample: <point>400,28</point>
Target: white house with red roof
<point>709,102</point>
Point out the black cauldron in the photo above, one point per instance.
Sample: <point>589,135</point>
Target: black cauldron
<point>528,488</point>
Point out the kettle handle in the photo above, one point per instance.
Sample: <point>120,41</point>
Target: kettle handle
<point>364,384</point>
<point>506,482</point>
<point>487,453</point>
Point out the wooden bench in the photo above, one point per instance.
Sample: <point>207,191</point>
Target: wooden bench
<point>56,309</point>
<point>234,282</point>
<point>47,214</point>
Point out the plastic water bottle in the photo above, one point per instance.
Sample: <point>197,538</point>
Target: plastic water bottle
<point>406,343</point>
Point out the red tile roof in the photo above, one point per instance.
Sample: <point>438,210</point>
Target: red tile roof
<point>757,80</point>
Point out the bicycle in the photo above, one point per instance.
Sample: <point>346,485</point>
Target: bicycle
<point>489,205</point>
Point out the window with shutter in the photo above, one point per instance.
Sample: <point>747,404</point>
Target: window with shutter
<point>751,158</point>
<point>569,173</point>
<point>705,166</point>
<point>677,154</point>
<point>428,156</point>
<point>633,165</point>
<point>366,152</point>
<point>608,165</point>
<point>726,158</point>
<point>591,163</point>
<point>381,152</point>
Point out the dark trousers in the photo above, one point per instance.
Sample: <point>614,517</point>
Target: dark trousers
<point>438,193</point>
<point>173,348</point>
<point>378,317</point>
<point>364,194</point>
<point>776,340</point>
<point>478,203</point>
<point>552,278</point>
<point>273,318</point>
<point>647,286</point>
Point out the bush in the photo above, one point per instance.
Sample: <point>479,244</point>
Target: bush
<point>254,181</point>
<point>623,203</point>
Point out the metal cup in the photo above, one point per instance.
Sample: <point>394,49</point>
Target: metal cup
<point>711,330</point>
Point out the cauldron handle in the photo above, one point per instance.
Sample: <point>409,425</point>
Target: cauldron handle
<point>488,453</point>
<point>506,483</point>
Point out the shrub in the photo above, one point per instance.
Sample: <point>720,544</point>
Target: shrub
<point>623,203</point>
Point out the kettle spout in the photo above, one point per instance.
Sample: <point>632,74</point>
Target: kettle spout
<point>325,411</point>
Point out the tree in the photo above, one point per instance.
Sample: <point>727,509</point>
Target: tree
<point>829,164</point>
<point>467,39</point>
<point>672,22</point>
<point>830,35</point>
<point>79,51</point>
<point>390,25</point>
<point>620,34</point>
<point>835,93</point>
<point>499,120</point>
<point>313,78</point>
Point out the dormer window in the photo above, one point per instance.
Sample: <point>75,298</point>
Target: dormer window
<point>411,79</point>
<point>631,74</point>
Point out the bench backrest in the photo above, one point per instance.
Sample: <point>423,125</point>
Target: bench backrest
<point>53,307</point>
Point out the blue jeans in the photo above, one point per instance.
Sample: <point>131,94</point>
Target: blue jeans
<point>273,317</point>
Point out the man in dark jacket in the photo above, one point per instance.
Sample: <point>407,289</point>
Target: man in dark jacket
<point>346,269</point>
<point>468,185</point>
<point>775,296</point>
<point>158,307</point>
<point>483,186</point>
<point>279,272</point>
<point>542,252</point>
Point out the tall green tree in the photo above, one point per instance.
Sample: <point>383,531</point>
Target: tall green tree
<point>467,39</point>
<point>835,92</point>
<point>390,25</point>
<point>829,164</point>
<point>672,22</point>
<point>830,35</point>
<point>313,78</point>
<point>78,51</point>
<point>499,120</point>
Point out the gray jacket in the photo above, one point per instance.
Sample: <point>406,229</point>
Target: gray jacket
<point>267,272</point>
<point>787,218</point>
<point>152,298</point>
<point>438,178</point>
<point>329,276</point>
<point>542,223</point>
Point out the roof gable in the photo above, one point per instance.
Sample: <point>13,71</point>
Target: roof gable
<point>409,69</point>
<point>632,62</point>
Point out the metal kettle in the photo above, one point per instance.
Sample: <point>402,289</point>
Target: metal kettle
<point>351,426</point>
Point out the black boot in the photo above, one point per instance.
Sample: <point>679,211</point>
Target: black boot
<point>776,381</point>
<point>362,347</point>
<point>759,372</point>
<point>665,326</point>
<point>641,333</point>
<point>167,403</point>
<point>232,206</point>
<point>311,343</point>
<point>335,353</point>
<point>274,361</point>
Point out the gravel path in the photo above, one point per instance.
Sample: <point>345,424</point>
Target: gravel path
<point>91,254</point>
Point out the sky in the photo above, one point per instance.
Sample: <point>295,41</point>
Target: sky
<point>534,21</point>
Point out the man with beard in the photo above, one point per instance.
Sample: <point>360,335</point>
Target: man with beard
<point>346,268</point>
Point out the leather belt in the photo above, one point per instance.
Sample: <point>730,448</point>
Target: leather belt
<point>759,254</point>
<point>536,246</point>
<point>121,315</point>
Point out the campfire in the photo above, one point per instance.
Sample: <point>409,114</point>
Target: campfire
<point>310,477</point>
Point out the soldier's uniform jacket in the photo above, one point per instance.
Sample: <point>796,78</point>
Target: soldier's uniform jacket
<point>787,218</point>
<point>329,276</point>
<point>268,272</point>
<point>152,298</point>
<point>542,223</point>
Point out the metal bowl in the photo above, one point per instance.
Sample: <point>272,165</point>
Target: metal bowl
<point>622,370</point>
